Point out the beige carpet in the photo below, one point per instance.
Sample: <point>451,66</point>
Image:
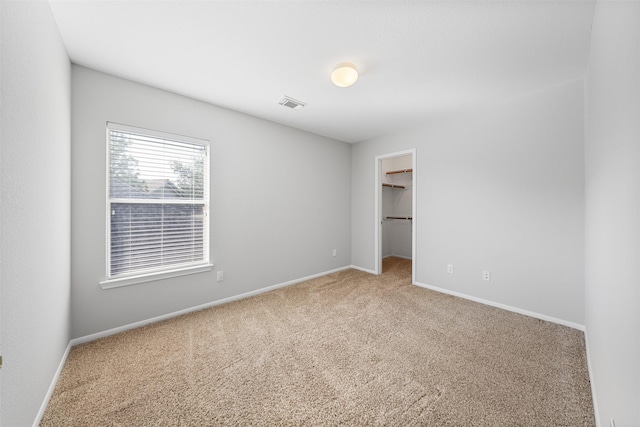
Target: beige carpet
<point>345,349</point>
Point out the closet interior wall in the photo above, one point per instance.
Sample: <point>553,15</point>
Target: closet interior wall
<point>396,204</point>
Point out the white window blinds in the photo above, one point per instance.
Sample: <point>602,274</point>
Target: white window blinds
<point>158,197</point>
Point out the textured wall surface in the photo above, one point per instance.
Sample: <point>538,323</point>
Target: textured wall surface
<point>499,188</point>
<point>35,207</point>
<point>613,211</point>
<point>280,201</point>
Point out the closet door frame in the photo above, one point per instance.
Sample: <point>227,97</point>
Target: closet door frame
<point>378,209</point>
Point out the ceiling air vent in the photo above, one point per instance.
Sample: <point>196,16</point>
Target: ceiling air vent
<point>294,104</point>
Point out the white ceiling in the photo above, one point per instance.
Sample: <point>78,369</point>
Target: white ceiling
<point>416,58</point>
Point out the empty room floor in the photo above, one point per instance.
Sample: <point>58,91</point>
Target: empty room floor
<point>349,348</point>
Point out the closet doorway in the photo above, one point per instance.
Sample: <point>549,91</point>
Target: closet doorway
<point>395,233</point>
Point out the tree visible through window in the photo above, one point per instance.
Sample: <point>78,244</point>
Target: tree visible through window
<point>157,202</point>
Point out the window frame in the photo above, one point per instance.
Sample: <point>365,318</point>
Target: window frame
<point>169,271</point>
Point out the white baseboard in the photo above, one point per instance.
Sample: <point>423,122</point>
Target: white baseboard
<point>52,386</point>
<point>366,270</point>
<point>103,334</point>
<point>596,413</point>
<point>504,306</point>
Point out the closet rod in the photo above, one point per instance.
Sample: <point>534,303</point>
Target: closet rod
<point>385,184</point>
<point>409,218</point>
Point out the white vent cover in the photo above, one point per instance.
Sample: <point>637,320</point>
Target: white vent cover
<point>289,102</point>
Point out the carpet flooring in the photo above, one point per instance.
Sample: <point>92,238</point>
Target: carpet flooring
<point>348,349</point>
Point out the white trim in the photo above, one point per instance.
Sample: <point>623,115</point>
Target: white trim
<point>107,203</point>
<point>103,334</point>
<point>366,270</point>
<point>504,307</point>
<point>414,213</point>
<point>596,413</point>
<point>397,256</point>
<point>142,278</point>
<point>198,202</point>
<point>52,386</point>
<point>377,214</point>
<point>157,134</point>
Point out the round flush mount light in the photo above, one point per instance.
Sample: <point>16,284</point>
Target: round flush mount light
<point>344,75</point>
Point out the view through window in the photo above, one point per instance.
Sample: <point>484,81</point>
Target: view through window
<point>158,199</point>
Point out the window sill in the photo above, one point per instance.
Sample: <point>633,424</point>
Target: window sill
<point>133,280</point>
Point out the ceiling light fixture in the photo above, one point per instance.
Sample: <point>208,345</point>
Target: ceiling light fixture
<point>344,75</point>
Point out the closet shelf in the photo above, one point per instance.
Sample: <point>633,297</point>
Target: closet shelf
<point>408,218</point>
<point>400,171</point>
<point>385,184</point>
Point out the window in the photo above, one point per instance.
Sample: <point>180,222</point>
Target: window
<point>157,205</point>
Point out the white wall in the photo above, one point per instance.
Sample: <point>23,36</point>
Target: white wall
<point>500,188</point>
<point>280,201</point>
<point>613,211</point>
<point>34,207</point>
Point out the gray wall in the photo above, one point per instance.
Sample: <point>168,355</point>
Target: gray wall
<point>500,188</point>
<point>280,201</point>
<point>613,211</point>
<point>34,209</point>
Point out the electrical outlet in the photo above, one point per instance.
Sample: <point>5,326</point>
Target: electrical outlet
<point>335,252</point>
<point>450,268</point>
<point>486,275</point>
<point>220,276</point>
